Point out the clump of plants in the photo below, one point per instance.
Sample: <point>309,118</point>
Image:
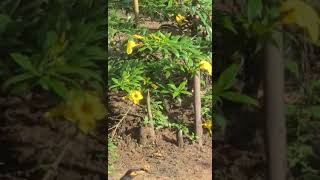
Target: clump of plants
<point>56,48</point>
<point>161,63</point>
<point>112,156</point>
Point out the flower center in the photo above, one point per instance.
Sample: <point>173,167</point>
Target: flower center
<point>86,108</point>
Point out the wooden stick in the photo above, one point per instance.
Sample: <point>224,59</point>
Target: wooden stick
<point>180,138</point>
<point>197,108</point>
<point>274,111</point>
<point>136,11</point>
<point>150,115</point>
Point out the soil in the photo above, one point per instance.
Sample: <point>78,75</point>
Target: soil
<point>174,163</point>
<point>33,147</point>
<point>165,159</point>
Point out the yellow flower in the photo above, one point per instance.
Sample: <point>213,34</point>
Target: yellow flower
<point>180,19</point>
<point>84,110</point>
<point>206,66</point>
<point>154,86</point>
<point>138,36</point>
<point>135,96</point>
<point>289,18</point>
<point>130,46</point>
<point>300,13</point>
<point>208,125</point>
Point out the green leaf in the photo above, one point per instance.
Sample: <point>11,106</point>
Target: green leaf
<point>227,78</point>
<point>291,109</point>
<point>72,82</point>
<point>172,86</point>
<point>203,18</point>
<point>56,86</point>
<point>24,62</point>
<point>221,123</point>
<point>165,92</point>
<point>116,81</point>
<point>186,93</point>
<point>314,111</point>
<point>14,7</point>
<point>43,84</point>
<point>273,12</point>
<point>96,53</point>
<point>293,68</point>
<point>167,74</point>
<point>82,72</point>
<point>254,9</point>
<point>170,3</point>
<point>182,85</point>
<point>228,24</point>
<point>16,79</point>
<point>4,21</point>
<point>175,52</point>
<point>51,39</point>
<point>315,84</point>
<point>84,62</point>
<point>175,94</point>
<point>239,98</point>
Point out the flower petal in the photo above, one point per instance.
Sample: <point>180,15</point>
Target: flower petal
<point>138,36</point>
<point>131,44</point>
<point>86,125</point>
<point>205,66</point>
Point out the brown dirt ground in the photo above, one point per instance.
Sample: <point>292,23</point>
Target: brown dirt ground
<point>174,163</point>
<point>30,145</point>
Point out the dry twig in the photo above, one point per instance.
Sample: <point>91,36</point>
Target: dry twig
<point>117,125</point>
<point>54,166</point>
